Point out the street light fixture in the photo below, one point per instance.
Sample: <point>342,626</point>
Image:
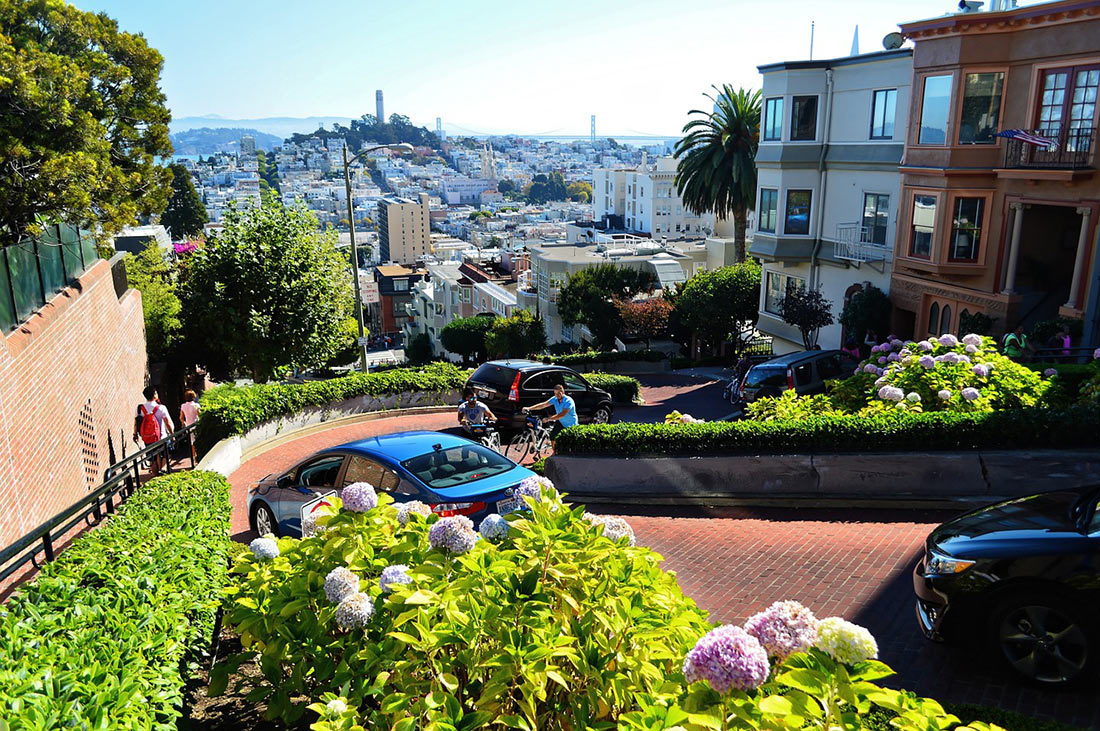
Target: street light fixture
<point>404,147</point>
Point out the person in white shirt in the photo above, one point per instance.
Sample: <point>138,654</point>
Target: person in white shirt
<point>152,423</point>
<point>189,414</point>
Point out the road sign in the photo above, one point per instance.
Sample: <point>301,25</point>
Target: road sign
<point>370,292</point>
<point>362,341</point>
<point>318,503</point>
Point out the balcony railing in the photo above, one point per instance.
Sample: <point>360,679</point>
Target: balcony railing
<point>1072,149</point>
<point>855,242</point>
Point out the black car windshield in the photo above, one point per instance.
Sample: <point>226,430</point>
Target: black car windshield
<point>766,376</point>
<point>494,375</point>
<point>457,465</point>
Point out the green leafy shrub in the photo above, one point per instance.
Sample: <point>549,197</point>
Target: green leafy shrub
<point>790,406</point>
<point>100,637</point>
<point>623,389</point>
<point>1067,381</point>
<point>976,322</point>
<point>555,620</point>
<point>606,356</point>
<point>1012,429</point>
<point>230,409</point>
<point>1041,332</point>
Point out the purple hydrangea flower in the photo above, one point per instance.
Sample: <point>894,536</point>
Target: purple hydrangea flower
<point>973,339</point>
<point>727,658</point>
<point>949,357</point>
<point>869,368</point>
<point>882,361</point>
<point>925,345</point>
<point>1096,354</point>
<point>454,534</point>
<point>532,487</point>
<point>359,497</point>
<point>875,348</point>
<point>392,575</point>
<point>893,357</point>
<point>783,629</point>
<point>614,528</point>
<point>354,611</point>
<point>981,370</point>
<point>857,371</point>
<point>969,393</point>
<point>1048,372</point>
<point>927,361</point>
<point>493,527</point>
<point>340,584</point>
<point>891,393</point>
<point>948,341</point>
<point>944,394</point>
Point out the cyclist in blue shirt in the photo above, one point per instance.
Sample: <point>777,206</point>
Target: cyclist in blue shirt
<point>565,411</point>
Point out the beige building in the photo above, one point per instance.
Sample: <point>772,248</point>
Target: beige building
<point>404,231</point>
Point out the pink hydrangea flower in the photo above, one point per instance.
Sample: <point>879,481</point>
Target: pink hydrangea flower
<point>981,370</point>
<point>783,629</point>
<point>727,658</point>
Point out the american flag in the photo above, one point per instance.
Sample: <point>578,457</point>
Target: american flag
<point>1028,137</point>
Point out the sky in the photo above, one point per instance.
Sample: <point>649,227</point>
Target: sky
<point>489,66</point>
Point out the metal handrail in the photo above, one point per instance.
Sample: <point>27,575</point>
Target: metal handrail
<point>123,478</point>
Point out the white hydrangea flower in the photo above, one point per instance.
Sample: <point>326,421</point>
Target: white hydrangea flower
<point>913,397</point>
<point>614,528</point>
<point>404,510</point>
<point>354,611</point>
<point>493,527</point>
<point>340,583</point>
<point>944,394</point>
<point>264,549</point>
<point>845,642</point>
<point>337,706</point>
<point>973,339</point>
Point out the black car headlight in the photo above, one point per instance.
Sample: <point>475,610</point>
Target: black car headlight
<point>940,564</point>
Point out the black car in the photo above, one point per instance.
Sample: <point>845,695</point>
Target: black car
<point>507,386</point>
<point>805,372</point>
<point>1023,576</point>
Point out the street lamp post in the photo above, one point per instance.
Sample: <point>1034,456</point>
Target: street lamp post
<point>405,146</point>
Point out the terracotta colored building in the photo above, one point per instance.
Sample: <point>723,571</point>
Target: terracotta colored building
<point>992,224</point>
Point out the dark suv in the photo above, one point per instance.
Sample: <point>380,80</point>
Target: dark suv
<point>506,386</point>
<point>805,372</point>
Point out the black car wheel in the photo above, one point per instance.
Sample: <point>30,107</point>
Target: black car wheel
<point>1045,640</point>
<point>263,520</point>
<point>602,416</point>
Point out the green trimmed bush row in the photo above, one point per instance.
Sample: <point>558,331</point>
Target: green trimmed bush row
<point>1071,376</point>
<point>605,356</point>
<point>623,389</point>
<point>230,409</point>
<point>104,636</point>
<point>1018,429</point>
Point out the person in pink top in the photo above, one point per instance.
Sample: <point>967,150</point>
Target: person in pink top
<point>189,413</point>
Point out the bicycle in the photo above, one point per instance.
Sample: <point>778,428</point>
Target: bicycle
<point>534,440</point>
<point>485,435</point>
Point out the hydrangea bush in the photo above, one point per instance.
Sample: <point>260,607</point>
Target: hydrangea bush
<point>559,621</point>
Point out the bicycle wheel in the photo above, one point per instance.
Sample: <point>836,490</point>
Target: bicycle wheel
<point>519,447</point>
<point>540,445</point>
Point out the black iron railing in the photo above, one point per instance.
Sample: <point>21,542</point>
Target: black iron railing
<point>1072,149</point>
<point>122,479</point>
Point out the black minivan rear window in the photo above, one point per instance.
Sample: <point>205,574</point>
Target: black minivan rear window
<point>772,376</point>
<point>494,375</point>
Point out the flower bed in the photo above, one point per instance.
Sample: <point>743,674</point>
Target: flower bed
<point>623,389</point>
<point>548,618</point>
<point>100,637</point>
<point>229,409</point>
<point>907,432</point>
<point>606,356</point>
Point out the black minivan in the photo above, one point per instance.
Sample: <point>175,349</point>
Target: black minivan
<point>507,386</point>
<point>805,372</point>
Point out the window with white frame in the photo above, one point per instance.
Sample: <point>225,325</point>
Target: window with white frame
<point>777,285</point>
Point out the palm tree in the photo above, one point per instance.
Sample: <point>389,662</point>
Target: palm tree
<point>716,172</point>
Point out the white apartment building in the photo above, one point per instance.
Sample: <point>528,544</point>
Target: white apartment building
<point>404,231</point>
<point>465,191</point>
<point>832,134</point>
<point>644,200</point>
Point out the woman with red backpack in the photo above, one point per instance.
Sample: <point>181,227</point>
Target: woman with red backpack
<point>152,423</point>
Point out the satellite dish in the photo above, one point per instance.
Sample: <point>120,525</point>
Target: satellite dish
<point>892,41</point>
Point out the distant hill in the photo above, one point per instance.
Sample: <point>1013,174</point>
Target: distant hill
<point>282,127</point>
<point>206,141</point>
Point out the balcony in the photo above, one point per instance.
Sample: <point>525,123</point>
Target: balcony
<point>1072,150</point>
<point>855,242</point>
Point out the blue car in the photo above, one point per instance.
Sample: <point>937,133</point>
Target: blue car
<point>453,475</point>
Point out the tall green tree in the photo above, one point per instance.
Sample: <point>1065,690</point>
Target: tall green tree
<point>721,304</point>
<point>268,290</point>
<point>519,336</point>
<point>580,191</point>
<point>151,273</point>
<point>465,336</point>
<point>82,119</point>
<point>185,214</point>
<point>716,168</point>
<point>591,297</point>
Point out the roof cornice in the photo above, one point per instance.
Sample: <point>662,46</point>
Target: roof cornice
<point>1005,21</point>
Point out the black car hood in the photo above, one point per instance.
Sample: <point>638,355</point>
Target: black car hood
<point>1045,523</point>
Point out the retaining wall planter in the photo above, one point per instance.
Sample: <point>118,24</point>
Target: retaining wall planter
<point>905,477</point>
<point>226,456</point>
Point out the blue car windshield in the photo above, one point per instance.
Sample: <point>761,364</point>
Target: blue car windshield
<point>457,465</point>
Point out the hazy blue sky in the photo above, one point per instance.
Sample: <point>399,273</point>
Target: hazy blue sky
<point>529,66</point>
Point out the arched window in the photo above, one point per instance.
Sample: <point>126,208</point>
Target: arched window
<point>933,318</point>
<point>964,320</point>
<point>945,320</point>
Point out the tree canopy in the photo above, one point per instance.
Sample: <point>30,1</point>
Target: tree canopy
<point>580,191</point>
<point>150,273</point>
<point>519,336</point>
<point>720,303</point>
<point>82,120</point>
<point>808,310</point>
<point>368,129</point>
<point>268,290</point>
<point>646,319</point>
<point>591,297</point>
<point>546,188</point>
<point>185,214</point>
<point>868,309</point>
<point>465,336</point>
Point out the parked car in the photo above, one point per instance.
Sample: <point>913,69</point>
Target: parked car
<point>507,386</point>
<point>452,474</point>
<point>805,372</point>
<point>1023,576</point>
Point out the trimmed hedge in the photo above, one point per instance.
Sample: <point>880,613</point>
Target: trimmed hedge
<point>104,636</point>
<point>1034,428</point>
<point>230,409</point>
<point>623,389</point>
<point>1071,376</point>
<point>605,356</point>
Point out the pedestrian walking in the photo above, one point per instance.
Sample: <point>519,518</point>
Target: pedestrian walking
<point>189,414</point>
<point>152,423</point>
